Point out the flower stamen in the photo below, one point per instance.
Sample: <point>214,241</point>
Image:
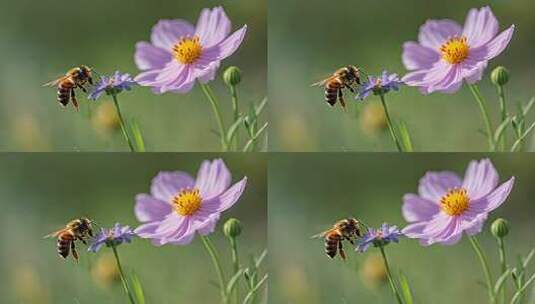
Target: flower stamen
<point>455,202</point>
<point>187,202</point>
<point>187,50</point>
<point>455,50</point>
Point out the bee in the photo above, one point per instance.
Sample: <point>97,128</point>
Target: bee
<point>74,78</point>
<point>346,229</point>
<point>342,78</point>
<point>77,229</point>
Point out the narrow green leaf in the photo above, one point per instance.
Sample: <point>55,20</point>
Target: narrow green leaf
<point>405,289</point>
<point>528,258</point>
<point>137,289</point>
<point>232,282</point>
<point>528,106</point>
<point>405,137</point>
<point>138,138</point>
<point>501,280</point>
<point>251,141</point>
<point>254,290</point>
<point>260,107</point>
<point>517,143</point>
<point>231,132</point>
<point>500,129</point>
<point>522,289</point>
<point>261,258</point>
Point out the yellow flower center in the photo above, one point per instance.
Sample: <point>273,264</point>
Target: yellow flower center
<point>187,202</point>
<point>187,50</point>
<point>455,50</point>
<point>455,202</point>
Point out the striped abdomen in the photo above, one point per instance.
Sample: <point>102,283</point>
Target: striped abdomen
<point>331,90</point>
<point>64,243</point>
<point>64,91</point>
<point>332,240</point>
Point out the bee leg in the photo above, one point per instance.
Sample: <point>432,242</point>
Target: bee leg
<point>74,100</point>
<point>81,239</point>
<point>82,87</point>
<point>350,240</point>
<point>341,98</point>
<point>341,250</point>
<point>74,252</point>
<point>351,88</point>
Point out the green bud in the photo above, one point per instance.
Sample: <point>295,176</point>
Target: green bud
<point>499,76</point>
<point>499,228</point>
<point>232,76</point>
<point>232,228</point>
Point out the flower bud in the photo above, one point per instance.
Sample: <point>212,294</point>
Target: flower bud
<point>232,228</point>
<point>499,76</point>
<point>232,76</point>
<point>499,228</point>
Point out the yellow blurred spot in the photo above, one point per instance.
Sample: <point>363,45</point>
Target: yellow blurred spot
<point>296,285</point>
<point>28,134</point>
<point>372,119</point>
<point>295,134</point>
<point>373,271</point>
<point>28,286</point>
<point>105,272</point>
<point>105,119</point>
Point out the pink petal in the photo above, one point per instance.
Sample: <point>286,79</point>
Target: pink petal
<point>480,178</point>
<point>450,83</point>
<point>225,48</point>
<point>434,185</point>
<point>147,230</point>
<point>493,200</point>
<point>414,230</point>
<point>475,75</point>
<point>179,79</point>
<point>167,184</point>
<point>170,224</point>
<point>417,209</point>
<point>208,73</point>
<point>213,26</point>
<point>206,225</point>
<point>149,57</point>
<point>166,33</point>
<point>494,47</point>
<point>434,33</point>
<point>213,178</point>
<point>480,26</point>
<point>147,78</point>
<point>224,201</point>
<point>443,229</point>
<point>417,57</point>
<point>475,225</point>
<point>177,233</point>
<point>150,209</point>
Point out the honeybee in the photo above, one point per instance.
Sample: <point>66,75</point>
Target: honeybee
<point>342,78</point>
<point>77,229</point>
<point>346,229</point>
<point>74,78</point>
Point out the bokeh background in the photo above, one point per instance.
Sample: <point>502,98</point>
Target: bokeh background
<point>41,40</point>
<point>41,192</point>
<point>370,34</point>
<point>309,192</point>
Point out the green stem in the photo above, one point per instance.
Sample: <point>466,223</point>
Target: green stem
<point>123,124</point>
<point>484,113</point>
<point>236,111</point>
<point>390,125</point>
<point>390,277</point>
<point>501,253</point>
<point>123,278</point>
<point>501,97</point>
<point>217,264</point>
<point>484,265</point>
<point>217,113</point>
<point>236,265</point>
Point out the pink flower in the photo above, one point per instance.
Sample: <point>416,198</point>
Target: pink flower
<point>447,206</point>
<point>179,206</point>
<point>446,54</point>
<point>180,53</point>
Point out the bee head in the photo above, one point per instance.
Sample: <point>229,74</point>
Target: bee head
<point>354,72</point>
<point>87,73</point>
<point>86,222</point>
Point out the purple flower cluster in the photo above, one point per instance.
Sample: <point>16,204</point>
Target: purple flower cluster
<point>114,84</point>
<point>179,53</point>
<point>111,237</point>
<point>447,54</point>
<point>379,85</point>
<point>379,237</point>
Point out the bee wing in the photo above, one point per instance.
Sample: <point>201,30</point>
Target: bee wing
<point>321,234</point>
<point>54,83</point>
<point>323,82</point>
<point>54,234</point>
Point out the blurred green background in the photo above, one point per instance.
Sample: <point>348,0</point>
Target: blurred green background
<point>309,192</point>
<point>41,40</point>
<point>308,40</point>
<point>41,192</point>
